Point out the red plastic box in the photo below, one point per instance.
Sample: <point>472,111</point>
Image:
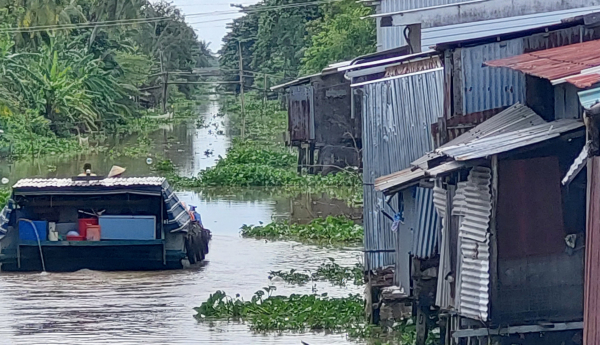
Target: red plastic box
<point>83,225</point>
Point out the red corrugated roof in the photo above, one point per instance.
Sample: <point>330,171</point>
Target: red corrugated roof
<point>584,81</point>
<point>558,63</point>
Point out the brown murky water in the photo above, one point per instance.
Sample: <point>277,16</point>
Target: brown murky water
<point>157,307</point>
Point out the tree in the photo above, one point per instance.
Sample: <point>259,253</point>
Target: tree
<point>340,35</point>
<point>41,13</point>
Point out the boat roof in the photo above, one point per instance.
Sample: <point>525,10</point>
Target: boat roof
<point>90,185</point>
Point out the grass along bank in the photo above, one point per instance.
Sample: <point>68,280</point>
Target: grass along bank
<point>322,230</point>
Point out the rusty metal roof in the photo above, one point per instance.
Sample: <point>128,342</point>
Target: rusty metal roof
<point>578,64</point>
<point>107,182</point>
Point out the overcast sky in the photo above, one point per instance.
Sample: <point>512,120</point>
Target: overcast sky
<point>205,18</point>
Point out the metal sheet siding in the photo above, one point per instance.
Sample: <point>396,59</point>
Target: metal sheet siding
<point>466,31</point>
<point>473,203</point>
<point>405,237</point>
<point>397,118</point>
<point>393,37</point>
<point>488,88</point>
<point>389,37</point>
<point>388,6</point>
<point>426,233</point>
<point>443,297</point>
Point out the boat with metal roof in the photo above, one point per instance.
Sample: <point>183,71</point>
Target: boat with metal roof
<point>98,223</point>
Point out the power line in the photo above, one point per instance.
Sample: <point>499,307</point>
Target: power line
<point>270,8</point>
<point>112,22</point>
<point>122,22</point>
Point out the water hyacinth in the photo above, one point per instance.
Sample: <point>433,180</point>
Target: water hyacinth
<point>282,313</point>
<point>332,229</point>
<point>328,271</point>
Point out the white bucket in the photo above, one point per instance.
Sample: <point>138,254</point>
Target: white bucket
<point>52,233</point>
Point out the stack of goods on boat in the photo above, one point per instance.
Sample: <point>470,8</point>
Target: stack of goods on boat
<point>99,223</point>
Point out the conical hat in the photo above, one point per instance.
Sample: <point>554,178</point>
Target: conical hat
<point>116,170</point>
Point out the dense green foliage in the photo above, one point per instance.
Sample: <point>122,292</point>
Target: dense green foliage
<point>339,35</point>
<point>284,38</point>
<point>82,67</point>
<point>330,230</point>
<point>281,313</point>
<point>328,271</point>
<point>4,195</point>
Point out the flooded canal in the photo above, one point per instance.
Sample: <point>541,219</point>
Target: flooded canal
<point>157,307</point>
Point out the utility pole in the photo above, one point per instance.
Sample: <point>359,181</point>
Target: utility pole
<point>264,96</point>
<point>242,89</point>
<point>165,77</point>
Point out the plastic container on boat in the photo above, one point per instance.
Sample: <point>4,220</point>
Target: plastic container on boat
<point>52,233</point>
<point>27,232</point>
<point>128,227</point>
<point>83,224</point>
<point>75,238</point>
<point>64,228</point>
<point>93,233</point>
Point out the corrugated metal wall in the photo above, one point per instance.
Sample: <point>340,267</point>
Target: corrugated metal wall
<point>443,297</point>
<point>388,6</point>
<point>397,118</point>
<point>479,88</point>
<point>488,87</point>
<point>393,37</point>
<point>405,238</point>
<point>426,234</point>
<point>473,203</point>
<point>389,37</point>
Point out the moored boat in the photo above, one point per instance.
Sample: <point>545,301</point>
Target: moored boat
<point>97,223</point>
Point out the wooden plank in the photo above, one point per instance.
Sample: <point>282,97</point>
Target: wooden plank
<point>554,327</point>
<point>591,313</point>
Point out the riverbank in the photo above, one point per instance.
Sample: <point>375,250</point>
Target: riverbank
<point>20,141</point>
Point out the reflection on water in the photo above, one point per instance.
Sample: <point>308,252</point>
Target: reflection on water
<point>156,307</point>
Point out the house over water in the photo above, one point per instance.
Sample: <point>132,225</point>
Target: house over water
<point>513,251</point>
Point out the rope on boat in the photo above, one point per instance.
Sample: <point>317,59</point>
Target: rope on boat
<point>37,235</point>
